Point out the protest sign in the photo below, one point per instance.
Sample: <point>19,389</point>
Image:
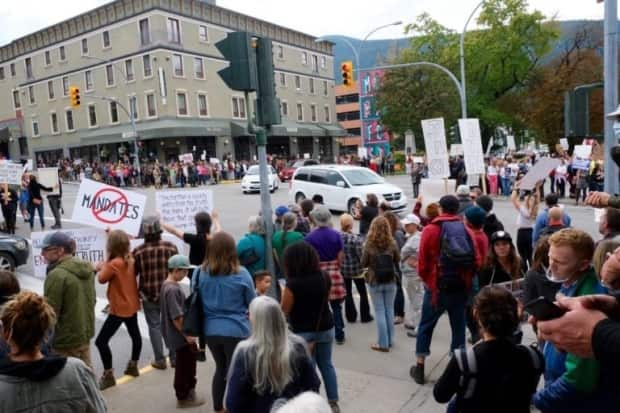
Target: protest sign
<point>418,159</point>
<point>90,246</point>
<point>510,141</point>
<point>177,208</point>
<point>105,206</point>
<point>456,149</point>
<point>472,146</point>
<point>362,152</point>
<point>49,177</point>
<point>582,151</point>
<point>538,172</point>
<point>582,164</point>
<point>186,157</point>
<point>436,150</point>
<point>598,214</point>
<point>28,165</point>
<point>516,287</point>
<point>564,143</point>
<point>433,189</point>
<point>10,173</point>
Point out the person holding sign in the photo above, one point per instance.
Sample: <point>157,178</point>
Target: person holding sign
<point>35,201</point>
<point>8,202</point>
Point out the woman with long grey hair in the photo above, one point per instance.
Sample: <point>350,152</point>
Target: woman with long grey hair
<point>251,247</point>
<point>271,364</point>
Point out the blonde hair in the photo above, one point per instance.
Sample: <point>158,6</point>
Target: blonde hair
<point>581,243</point>
<point>118,245</point>
<point>380,234</point>
<point>222,256</point>
<point>346,222</point>
<point>27,318</point>
<point>600,254</point>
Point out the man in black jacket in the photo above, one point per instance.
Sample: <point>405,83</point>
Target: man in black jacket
<point>491,224</point>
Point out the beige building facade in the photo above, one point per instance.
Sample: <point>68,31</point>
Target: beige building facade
<point>157,59</point>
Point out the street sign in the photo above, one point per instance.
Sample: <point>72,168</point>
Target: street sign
<point>129,135</point>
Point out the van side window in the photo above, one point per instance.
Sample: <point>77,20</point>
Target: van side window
<point>333,177</point>
<point>318,177</point>
<point>301,175</point>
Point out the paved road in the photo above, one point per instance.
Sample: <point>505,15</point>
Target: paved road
<point>362,372</point>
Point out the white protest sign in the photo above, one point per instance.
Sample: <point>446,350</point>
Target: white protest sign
<point>472,146</point>
<point>564,143</point>
<point>28,165</point>
<point>598,214</point>
<point>49,177</point>
<point>10,173</point>
<point>418,159</point>
<point>511,143</point>
<point>177,208</point>
<point>214,160</point>
<point>361,152</point>
<point>538,172</point>
<point>186,157</point>
<point>582,151</point>
<point>433,189</point>
<point>105,206</point>
<point>90,246</point>
<point>436,149</point>
<point>456,149</point>
<point>306,156</point>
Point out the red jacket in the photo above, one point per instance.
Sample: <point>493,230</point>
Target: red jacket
<point>428,253</point>
<point>481,242</point>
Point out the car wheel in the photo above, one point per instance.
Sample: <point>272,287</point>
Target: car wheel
<point>299,197</point>
<point>7,262</point>
<point>351,207</point>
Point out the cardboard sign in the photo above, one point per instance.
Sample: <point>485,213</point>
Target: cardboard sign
<point>433,189</point>
<point>186,158</point>
<point>472,146</point>
<point>177,208</point>
<point>49,177</point>
<point>90,246</point>
<point>10,173</point>
<point>105,206</point>
<point>538,172</point>
<point>436,149</point>
<point>564,143</point>
<point>510,141</point>
<point>582,151</point>
<point>456,149</point>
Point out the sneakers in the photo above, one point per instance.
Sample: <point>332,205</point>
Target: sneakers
<point>191,401</point>
<point>409,326</point>
<point>417,373</point>
<point>412,333</point>
<point>398,320</point>
<point>201,356</point>
<point>132,369</point>
<point>334,405</point>
<point>340,341</point>
<point>56,226</point>
<point>159,365</point>
<point>107,380</point>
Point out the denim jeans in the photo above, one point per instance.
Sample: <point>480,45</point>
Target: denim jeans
<point>31,209</point>
<point>336,307</point>
<point>382,296</point>
<point>454,304</point>
<point>153,320</point>
<point>323,358</point>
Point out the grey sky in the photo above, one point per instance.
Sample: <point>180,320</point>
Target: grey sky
<point>318,17</point>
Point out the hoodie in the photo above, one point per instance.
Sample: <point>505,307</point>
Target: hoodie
<point>49,385</point>
<point>491,225</point>
<point>70,290</point>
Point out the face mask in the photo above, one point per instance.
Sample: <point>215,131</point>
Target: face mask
<point>554,278</point>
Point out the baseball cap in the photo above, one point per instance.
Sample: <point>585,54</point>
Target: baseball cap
<point>449,204</point>
<point>151,226</point>
<point>500,236</point>
<point>462,190</point>
<point>281,210</point>
<point>476,216</point>
<point>57,239</point>
<point>179,261</point>
<point>410,219</point>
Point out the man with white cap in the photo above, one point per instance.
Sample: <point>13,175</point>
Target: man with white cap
<point>465,201</point>
<point>409,267</point>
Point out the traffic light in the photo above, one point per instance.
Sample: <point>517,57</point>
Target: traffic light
<point>238,49</point>
<point>347,74</point>
<point>74,96</point>
<point>267,103</point>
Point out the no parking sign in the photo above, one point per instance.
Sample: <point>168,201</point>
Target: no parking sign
<point>105,206</point>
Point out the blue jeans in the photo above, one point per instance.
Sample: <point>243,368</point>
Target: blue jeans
<point>152,314</point>
<point>39,208</point>
<point>505,183</point>
<point>454,304</point>
<point>336,307</point>
<point>382,296</point>
<point>323,358</point>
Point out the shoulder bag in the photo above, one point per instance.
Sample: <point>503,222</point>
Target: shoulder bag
<point>193,316</point>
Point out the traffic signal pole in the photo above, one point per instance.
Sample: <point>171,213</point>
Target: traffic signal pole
<point>611,92</point>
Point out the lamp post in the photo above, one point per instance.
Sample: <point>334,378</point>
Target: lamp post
<point>462,58</point>
<point>611,92</point>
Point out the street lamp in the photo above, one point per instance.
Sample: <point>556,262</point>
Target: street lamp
<point>462,57</point>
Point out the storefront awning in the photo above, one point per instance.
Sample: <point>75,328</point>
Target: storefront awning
<point>333,130</point>
<point>286,128</point>
<point>308,129</point>
<point>239,128</point>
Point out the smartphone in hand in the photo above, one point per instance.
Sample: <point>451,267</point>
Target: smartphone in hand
<point>544,309</point>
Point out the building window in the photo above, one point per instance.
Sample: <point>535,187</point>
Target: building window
<point>92,116</point>
<point>69,120</point>
<point>203,110</point>
<point>313,113</point>
<point>174,31</point>
<point>105,36</point>
<point>129,75</point>
<point>315,63</point>
<point>146,64</point>
<point>300,112</point>
<point>84,47</point>
<point>177,63</point>
<point>238,103</point>
<point>323,62</point>
<point>311,81</point>
<point>88,80</point>
<point>31,95</point>
<point>1,73</point>
<point>62,55</point>
<point>145,32</point>
<point>297,82</point>
<point>65,86</point>
<point>151,107</point>
<point>13,73</point>
<point>54,122</point>
<point>199,68</point>
<point>133,106</point>
<point>16,102</point>
<point>182,104</point>
<point>51,95</point>
<point>304,58</point>
<point>282,79</point>
<point>203,33</point>
<point>325,88</point>
<point>109,74</point>
<point>48,58</point>
<point>29,67</point>
<point>284,109</point>
<point>280,51</point>
<point>328,118</point>
<point>113,112</point>
<point>35,127</point>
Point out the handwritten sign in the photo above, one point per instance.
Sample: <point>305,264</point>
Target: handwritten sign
<point>472,146</point>
<point>178,208</point>
<point>49,177</point>
<point>436,149</point>
<point>10,173</point>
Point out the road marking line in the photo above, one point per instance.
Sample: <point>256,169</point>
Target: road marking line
<point>126,378</point>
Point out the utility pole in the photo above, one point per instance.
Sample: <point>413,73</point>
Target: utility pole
<point>611,92</point>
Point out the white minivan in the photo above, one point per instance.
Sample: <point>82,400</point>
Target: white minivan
<point>341,186</point>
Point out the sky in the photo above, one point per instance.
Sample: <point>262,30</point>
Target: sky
<point>314,17</point>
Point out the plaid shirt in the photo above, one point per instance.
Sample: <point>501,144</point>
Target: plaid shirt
<point>351,264</point>
<point>152,266</point>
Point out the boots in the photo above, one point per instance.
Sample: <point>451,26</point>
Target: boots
<point>132,369</point>
<point>107,380</point>
<point>191,401</point>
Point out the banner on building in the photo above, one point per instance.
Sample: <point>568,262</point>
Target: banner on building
<point>177,208</point>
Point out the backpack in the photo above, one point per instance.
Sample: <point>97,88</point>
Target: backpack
<point>456,254</point>
<point>384,269</point>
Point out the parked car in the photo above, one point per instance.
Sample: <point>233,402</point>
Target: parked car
<point>342,186</point>
<point>13,251</point>
<point>287,172</point>
<point>251,180</point>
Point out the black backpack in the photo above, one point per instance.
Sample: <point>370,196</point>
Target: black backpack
<point>384,269</point>
<point>456,255</point>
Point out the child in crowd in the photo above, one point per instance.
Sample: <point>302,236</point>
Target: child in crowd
<point>262,282</point>
<point>172,299</point>
<point>409,267</point>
